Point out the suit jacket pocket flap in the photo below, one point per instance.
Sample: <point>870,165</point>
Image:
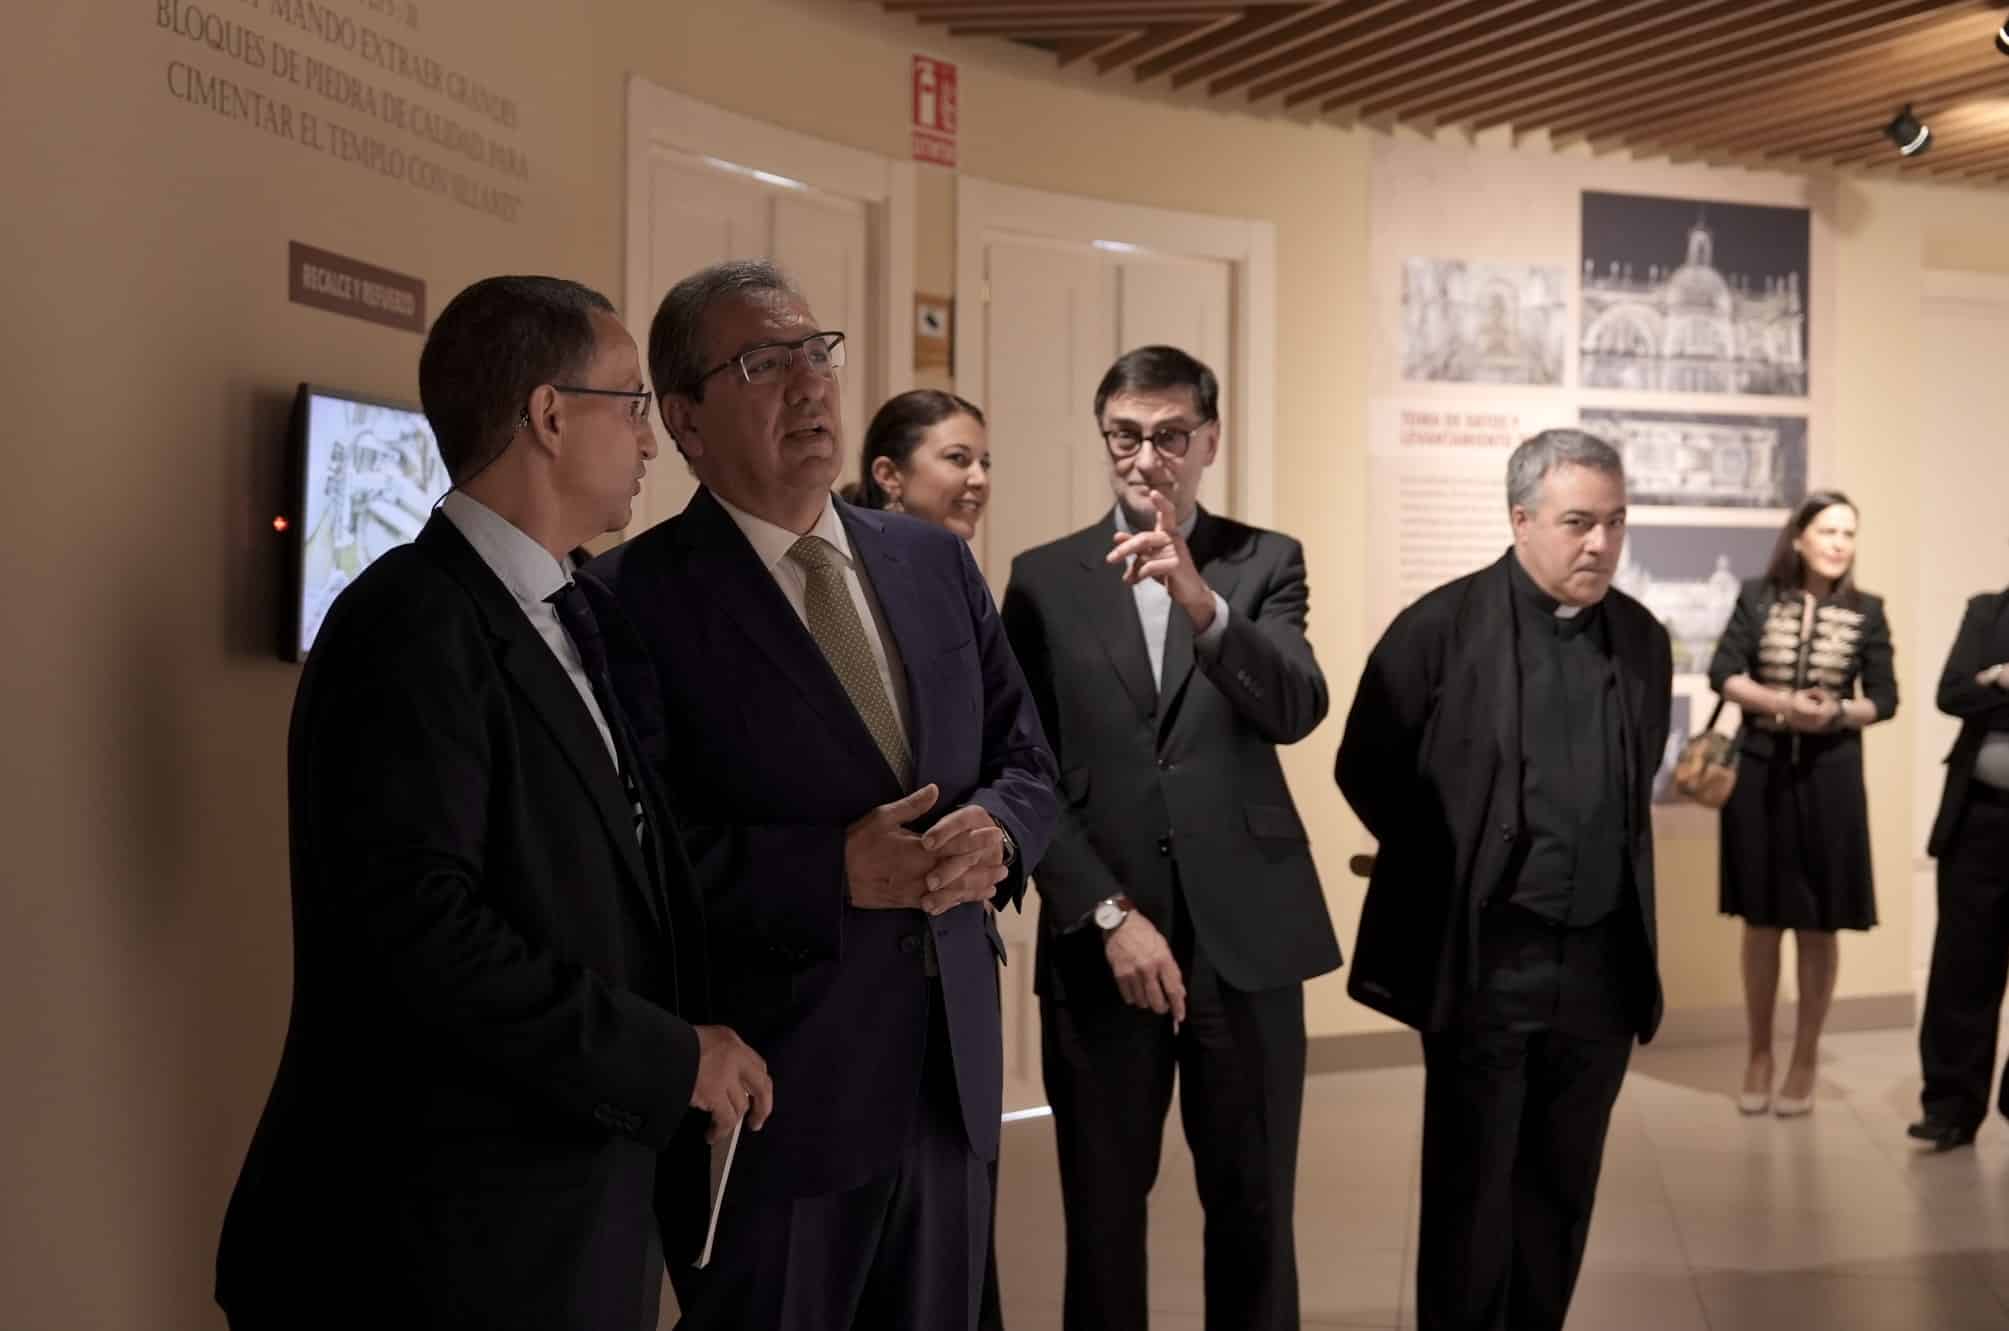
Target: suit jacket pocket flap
<point>1274,820</point>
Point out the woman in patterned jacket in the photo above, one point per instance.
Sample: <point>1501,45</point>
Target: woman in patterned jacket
<point>1795,844</point>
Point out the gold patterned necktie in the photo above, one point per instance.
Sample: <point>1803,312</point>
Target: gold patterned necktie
<point>834,623</point>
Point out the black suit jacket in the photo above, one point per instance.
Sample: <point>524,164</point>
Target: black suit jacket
<point>485,1062</point>
<point>769,763</point>
<point>1431,762</point>
<point>1983,641</point>
<point>1185,774</point>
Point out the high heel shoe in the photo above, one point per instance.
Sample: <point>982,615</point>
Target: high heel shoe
<point>1750,1102</point>
<point>1793,1106</point>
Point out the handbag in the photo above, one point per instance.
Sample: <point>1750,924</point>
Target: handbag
<point>1706,771</point>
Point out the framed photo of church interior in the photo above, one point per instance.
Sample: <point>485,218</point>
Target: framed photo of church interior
<point>1478,322</point>
<point>1694,296</point>
<point>1700,460</point>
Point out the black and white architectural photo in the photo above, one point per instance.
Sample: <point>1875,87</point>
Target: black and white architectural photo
<point>1688,577</point>
<point>1466,321</point>
<point>1709,461</point>
<point>1692,296</point>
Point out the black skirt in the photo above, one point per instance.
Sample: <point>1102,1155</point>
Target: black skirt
<point>1795,845</point>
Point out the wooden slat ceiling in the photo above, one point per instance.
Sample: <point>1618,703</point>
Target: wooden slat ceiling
<point>1807,84</point>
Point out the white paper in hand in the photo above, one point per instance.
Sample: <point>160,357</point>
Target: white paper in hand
<point>722,1153</point>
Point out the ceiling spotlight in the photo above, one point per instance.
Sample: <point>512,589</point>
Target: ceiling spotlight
<point>1908,133</point>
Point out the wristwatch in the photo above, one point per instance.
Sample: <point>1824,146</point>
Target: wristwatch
<point>1010,846</point>
<point>1111,912</point>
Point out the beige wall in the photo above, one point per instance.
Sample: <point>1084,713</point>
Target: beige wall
<point>151,354</point>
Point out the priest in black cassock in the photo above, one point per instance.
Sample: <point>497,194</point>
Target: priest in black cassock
<point>1501,749</point>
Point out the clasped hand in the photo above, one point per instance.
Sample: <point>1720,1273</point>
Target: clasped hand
<point>888,867</point>
<point>1812,710</point>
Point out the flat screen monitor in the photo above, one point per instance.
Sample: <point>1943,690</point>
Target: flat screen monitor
<point>369,475</point>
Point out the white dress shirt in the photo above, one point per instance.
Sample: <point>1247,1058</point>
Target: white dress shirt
<point>1154,605</point>
<point>771,545</point>
<point>1991,762</point>
<point>531,573</point>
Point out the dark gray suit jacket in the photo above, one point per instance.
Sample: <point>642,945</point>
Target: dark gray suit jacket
<point>1185,774</point>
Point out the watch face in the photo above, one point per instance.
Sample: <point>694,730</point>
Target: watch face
<point>1108,915</point>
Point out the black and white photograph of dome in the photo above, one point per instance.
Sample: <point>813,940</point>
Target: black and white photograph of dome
<point>1691,296</point>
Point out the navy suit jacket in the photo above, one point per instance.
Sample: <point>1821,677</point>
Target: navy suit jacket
<point>768,763</point>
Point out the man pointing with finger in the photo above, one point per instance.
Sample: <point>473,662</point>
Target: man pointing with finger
<point>1180,913</point>
<point>860,774</point>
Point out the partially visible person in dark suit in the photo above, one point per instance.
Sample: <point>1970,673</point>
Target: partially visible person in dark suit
<point>1795,846</point>
<point>926,453</point>
<point>859,770</point>
<point>1501,748</point>
<point>498,952</point>
<point>1970,839</point>
<point>1180,913</point>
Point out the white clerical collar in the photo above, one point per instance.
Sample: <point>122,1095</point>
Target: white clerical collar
<point>1569,611</point>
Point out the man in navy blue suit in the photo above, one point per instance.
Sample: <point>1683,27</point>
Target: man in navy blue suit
<point>861,778</point>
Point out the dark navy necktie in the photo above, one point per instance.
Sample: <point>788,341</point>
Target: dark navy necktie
<point>575,613</point>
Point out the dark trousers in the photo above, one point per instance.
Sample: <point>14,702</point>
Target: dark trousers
<point>1517,1096</point>
<point>990,1310</point>
<point>1970,963</point>
<point>903,1252</point>
<point>1239,1062</point>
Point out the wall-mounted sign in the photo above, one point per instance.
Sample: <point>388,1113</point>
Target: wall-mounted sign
<point>934,89</point>
<point>342,285</point>
<point>932,315</point>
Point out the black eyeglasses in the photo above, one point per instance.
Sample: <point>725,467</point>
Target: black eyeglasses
<point>1170,440</point>
<point>638,399</point>
<point>770,361</point>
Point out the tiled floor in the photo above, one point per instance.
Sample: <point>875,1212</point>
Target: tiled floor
<point>1706,1221</point>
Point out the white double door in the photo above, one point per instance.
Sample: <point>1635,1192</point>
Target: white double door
<point>706,185</point>
<point>703,211</point>
<point>1057,312</point>
<point>1963,472</point>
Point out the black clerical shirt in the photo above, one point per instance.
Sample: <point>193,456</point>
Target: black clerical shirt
<point>1572,853</point>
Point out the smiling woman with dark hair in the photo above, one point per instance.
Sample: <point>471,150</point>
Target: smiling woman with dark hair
<point>927,453</point>
<point>1795,847</point>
